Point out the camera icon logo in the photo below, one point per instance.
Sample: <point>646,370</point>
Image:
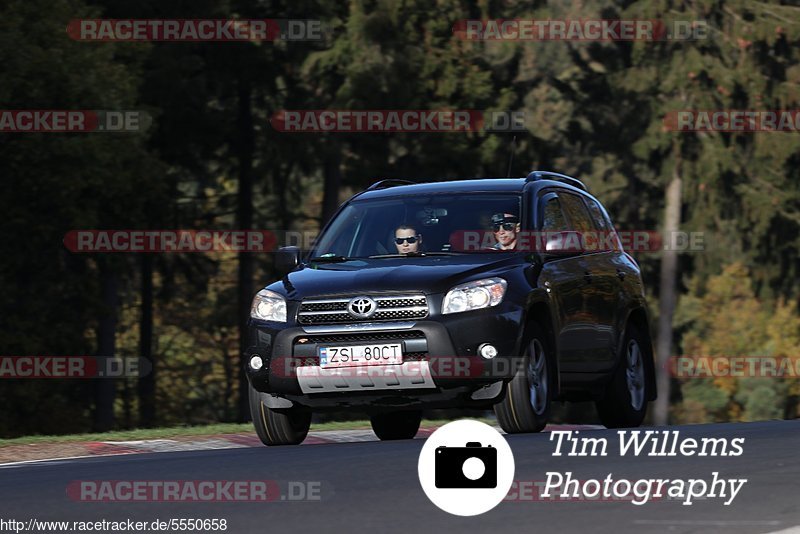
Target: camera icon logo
<point>472,466</point>
<point>466,467</point>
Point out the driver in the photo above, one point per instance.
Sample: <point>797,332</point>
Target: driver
<point>407,240</point>
<point>505,227</point>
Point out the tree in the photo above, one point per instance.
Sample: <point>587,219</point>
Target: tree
<point>54,183</point>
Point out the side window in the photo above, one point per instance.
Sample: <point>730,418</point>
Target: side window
<point>608,238</point>
<point>577,213</point>
<point>552,217</point>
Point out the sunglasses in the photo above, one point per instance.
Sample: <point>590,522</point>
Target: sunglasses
<point>410,240</point>
<point>506,226</point>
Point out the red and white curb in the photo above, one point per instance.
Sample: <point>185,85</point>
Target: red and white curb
<point>230,441</point>
<point>237,441</point>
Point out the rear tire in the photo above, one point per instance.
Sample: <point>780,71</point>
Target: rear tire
<point>625,402</point>
<point>396,425</point>
<point>278,427</point>
<point>526,405</point>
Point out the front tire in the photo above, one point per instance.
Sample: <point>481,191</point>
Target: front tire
<point>278,427</point>
<point>526,405</point>
<point>396,425</point>
<point>625,402</point>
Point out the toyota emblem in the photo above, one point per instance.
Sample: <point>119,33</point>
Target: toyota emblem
<point>361,307</point>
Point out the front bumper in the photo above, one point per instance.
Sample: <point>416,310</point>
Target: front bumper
<point>441,365</point>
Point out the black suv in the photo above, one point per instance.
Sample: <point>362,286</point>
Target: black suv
<point>509,293</point>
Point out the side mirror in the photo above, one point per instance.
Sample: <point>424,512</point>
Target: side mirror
<point>564,244</point>
<point>286,259</point>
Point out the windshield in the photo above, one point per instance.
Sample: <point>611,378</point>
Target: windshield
<point>422,224</point>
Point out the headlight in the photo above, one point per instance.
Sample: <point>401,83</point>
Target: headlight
<point>474,295</point>
<point>268,306</point>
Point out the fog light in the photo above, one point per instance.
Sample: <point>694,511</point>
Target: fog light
<point>256,362</point>
<point>487,351</point>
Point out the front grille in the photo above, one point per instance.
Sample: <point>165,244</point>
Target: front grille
<point>367,336</point>
<point>389,308</point>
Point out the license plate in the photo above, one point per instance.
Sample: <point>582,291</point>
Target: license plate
<point>355,355</point>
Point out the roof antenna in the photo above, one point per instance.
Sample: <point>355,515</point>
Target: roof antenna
<point>511,156</point>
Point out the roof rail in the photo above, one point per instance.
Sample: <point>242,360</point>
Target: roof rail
<point>547,175</point>
<point>391,182</point>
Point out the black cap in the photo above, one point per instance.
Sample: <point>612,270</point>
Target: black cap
<point>500,218</point>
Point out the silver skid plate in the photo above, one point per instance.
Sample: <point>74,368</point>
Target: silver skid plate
<point>409,375</point>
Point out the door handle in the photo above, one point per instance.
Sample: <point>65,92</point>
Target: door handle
<point>587,276</point>
<point>621,274</point>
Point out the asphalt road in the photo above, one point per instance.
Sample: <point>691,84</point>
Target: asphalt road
<point>374,487</point>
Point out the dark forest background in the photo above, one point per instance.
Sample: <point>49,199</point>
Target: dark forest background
<point>210,160</point>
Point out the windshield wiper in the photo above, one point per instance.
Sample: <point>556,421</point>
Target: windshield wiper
<point>412,255</point>
<point>330,259</point>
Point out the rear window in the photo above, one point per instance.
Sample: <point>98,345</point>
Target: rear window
<point>603,224</point>
<point>598,216</point>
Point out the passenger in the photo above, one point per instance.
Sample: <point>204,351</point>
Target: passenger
<point>407,240</point>
<point>505,227</point>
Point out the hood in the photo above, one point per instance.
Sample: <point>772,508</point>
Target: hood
<point>432,274</point>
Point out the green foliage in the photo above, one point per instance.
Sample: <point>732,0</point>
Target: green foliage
<point>593,109</point>
<point>761,401</point>
<point>724,319</point>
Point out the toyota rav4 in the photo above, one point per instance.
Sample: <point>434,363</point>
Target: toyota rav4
<point>504,293</point>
